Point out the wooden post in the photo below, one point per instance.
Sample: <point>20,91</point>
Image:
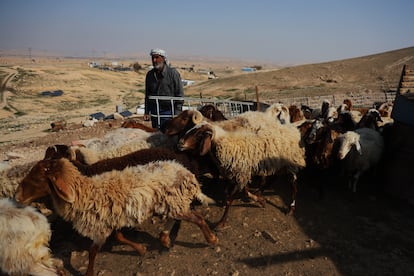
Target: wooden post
<point>257,99</point>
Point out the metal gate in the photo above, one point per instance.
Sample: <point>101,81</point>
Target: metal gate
<point>227,107</point>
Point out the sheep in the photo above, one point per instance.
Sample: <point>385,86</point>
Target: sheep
<point>212,113</point>
<point>101,204</point>
<point>361,150</point>
<point>320,142</point>
<point>385,109</point>
<point>279,112</point>
<point>249,119</point>
<point>32,186</point>
<point>321,146</point>
<point>10,177</point>
<point>90,122</point>
<point>371,119</point>
<point>182,122</point>
<point>296,114</point>
<point>244,153</point>
<point>309,112</point>
<point>343,122</point>
<point>345,106</point>
<point>118,143</point>
<point>115,143</point>
<point>25,234</point>
<point>325,109</point>
<point>135,124</point>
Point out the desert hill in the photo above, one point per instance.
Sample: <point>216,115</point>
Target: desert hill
<point>373,73</point>
<point>26,113</point>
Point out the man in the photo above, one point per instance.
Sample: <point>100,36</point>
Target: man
<point>162,80</point>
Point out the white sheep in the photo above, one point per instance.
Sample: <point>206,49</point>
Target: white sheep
<point>90,122</point>
<point>241,154</point>
<point>24,242</point>
<point>279,112</point>
<point>187,119</point>
<point>361,150</point>
<point>107,202</point>
<point>10,177</point>
<point>119,142</point>
<point>126,140</point>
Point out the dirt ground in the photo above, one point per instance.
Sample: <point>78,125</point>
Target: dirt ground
<point>366,234</point>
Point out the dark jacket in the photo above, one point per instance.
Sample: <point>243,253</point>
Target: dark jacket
<point>167,84</point>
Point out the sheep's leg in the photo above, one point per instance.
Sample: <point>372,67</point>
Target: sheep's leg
<point>40,269</point>
<point>292,206</point>
<point>223,219</point>
<point>354,181</point>
<point>198,219</point>
<point>167,237</point>
<point>138,247</point>
<point>93,250</point>
<point>254,197</point>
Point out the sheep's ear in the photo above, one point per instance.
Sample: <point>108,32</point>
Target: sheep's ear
<point>63,190</point>
<point>358,148</point>
<point>197,117</point>
<point>72,153</point>
<point>205,144</point>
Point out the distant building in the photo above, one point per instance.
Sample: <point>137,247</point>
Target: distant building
<point>94,64</point>
<point>248,69</point>
<point>187,82</point>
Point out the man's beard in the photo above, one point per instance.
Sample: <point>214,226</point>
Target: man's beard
<point>158,66</point>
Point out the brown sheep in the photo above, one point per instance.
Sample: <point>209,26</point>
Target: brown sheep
<point>120,199</point>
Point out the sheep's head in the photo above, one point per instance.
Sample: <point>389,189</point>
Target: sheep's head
<point>304,129</point>
<point>212,113</point>
<point>280,112</point>
<point>315,133</point>
<point>58,151</point>
<point>370,119</point>
<point>331,114</point>
<point>34,186</point>
<point>42,178</point>
<point>348,103</point>
<point>346,142</point>
<point>375,114</point>
<point>182,122</point>
<point>208,110</point>
<point>385,109</point>
<point>295,113</point>
<point>198,139</point>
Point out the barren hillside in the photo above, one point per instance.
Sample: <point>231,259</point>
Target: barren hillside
<point>374,73</point>
<point>25,113</point>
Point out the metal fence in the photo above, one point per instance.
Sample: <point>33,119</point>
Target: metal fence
<point>227,107</point>
<point>233,108</point>
<point>359,100</point>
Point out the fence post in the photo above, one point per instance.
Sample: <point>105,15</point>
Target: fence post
<point>257,99</point>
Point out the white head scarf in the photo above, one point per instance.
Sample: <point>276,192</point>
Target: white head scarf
<point>160,52</point>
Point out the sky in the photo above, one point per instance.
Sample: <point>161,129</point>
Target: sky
<point>270,31</point>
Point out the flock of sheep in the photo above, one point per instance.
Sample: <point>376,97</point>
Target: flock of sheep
<point>133,173</point>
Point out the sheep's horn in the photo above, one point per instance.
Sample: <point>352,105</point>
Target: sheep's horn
<point>197,117</point>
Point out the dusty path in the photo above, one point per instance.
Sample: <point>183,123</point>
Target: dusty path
<point>4,92</point>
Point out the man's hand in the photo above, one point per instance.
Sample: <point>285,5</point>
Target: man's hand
<point>146,117</point>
